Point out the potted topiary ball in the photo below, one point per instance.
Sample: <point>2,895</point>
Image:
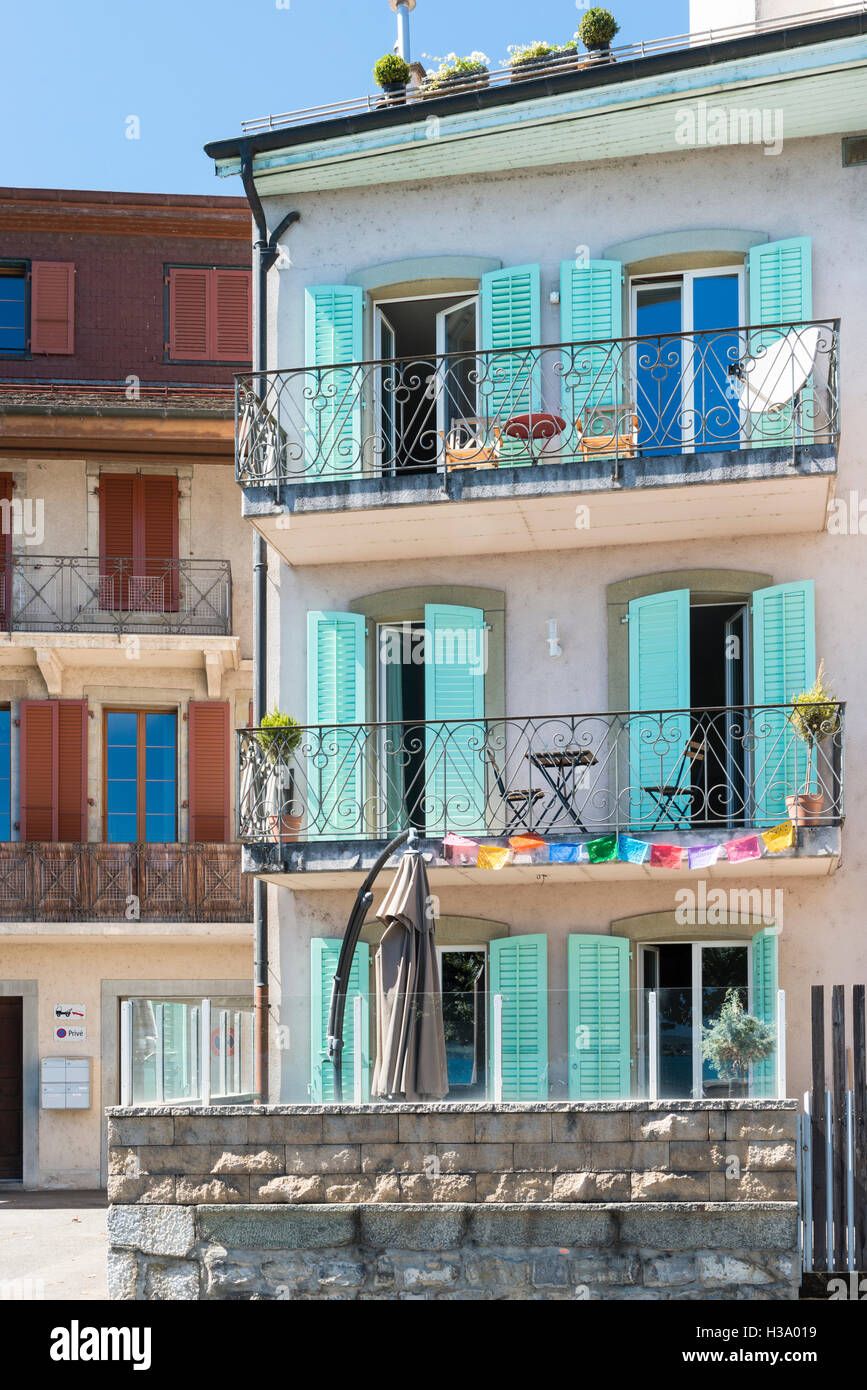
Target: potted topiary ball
<point>815,717</point>
<point>279,737</point>
<point>392,74</point>
<point>596,30</point>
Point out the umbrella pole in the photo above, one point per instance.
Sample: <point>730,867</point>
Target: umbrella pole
<point>361,907</point>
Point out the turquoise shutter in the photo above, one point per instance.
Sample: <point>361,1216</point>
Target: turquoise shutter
<point>659,654</point>
<point>324,954</point>
<point>591,310</point>
<point>599,1018</point>
<point>519,972</point>
<point>335,697</point>
<point>454,674</point>
<point>333,394</point>
<point>765,986</point>
<point>781,292</point>
<point>784,664</point>
<point>510,381</point>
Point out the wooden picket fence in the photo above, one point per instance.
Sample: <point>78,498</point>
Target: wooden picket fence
<point>832,1146</point>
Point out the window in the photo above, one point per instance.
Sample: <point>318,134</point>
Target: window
<point>138,542</point>
<point>5,774</point>
<point>54,770</point>
<point>140,776</point>
<point>164,1042</point>
<point>6,519</point>
<point>209,314</point>
<point>464,991</point>
<point>13,310</point>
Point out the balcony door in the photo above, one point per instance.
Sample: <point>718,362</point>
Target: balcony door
<point>425,382</point>
<point>688,324</point>
<point>140,791</point>
<point>138,543</point>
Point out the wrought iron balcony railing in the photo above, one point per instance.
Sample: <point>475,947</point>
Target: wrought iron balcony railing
<point>650,771</point>
<point>569,403</point>
<point>123,883</point>
<point>74,593</point>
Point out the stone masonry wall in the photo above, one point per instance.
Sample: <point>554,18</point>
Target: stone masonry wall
<point>631,1151</point>
<point>454,1251</point>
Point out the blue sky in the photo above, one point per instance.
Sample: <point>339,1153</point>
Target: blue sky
<point>74,71</point>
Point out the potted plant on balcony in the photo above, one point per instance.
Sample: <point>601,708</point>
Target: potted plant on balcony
<point>392,73</point>
<point>464,73</point>
<point>596,30</point>
<point>533,59</point>
<point>736,1040</point>
<point>815,716</point>
<point>279,737</point>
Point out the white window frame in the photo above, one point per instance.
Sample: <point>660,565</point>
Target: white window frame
<point>464,950</point>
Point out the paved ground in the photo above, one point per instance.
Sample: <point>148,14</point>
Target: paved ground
<point>52,1245</point>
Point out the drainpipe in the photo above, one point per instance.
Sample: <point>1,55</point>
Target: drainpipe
<point>265,249</point>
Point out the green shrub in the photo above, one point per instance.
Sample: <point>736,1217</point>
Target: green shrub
<point>279,736</point>
<point>815,716</point>
<point>597,28</point>
<point>736,1040</point>
<point>452,69</point>
<point>391,68</point>
<point>532,52</point>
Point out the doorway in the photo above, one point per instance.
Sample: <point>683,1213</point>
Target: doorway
<point>463,980</point>
<point>11,1089</point>
<point>683,395</point>
<point>426,380</point>
<point>691,981</point>
<point>719,663</point>
<point>402,649</point>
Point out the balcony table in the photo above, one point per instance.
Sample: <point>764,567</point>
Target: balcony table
<point>558,770</point>
<point>536,428</point>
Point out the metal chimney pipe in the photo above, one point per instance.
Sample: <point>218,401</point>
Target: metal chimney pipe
<point>403,9</point>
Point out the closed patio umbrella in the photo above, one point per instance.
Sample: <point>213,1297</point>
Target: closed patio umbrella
<point>410,1039</point>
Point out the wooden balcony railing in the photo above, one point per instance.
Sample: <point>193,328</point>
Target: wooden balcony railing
<point>123,883</point>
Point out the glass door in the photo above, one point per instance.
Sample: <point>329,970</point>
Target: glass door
<point>464,993</point>
<point>457,343</point>
<point>385,445</point>
<point>691,981</point>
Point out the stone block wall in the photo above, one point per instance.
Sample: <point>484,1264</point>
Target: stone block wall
<point>632,1199</point>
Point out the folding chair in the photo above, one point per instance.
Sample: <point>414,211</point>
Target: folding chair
<point>666,796</point>
<point>623,445</point>
<point>520,803</point>
<point>472,443</point>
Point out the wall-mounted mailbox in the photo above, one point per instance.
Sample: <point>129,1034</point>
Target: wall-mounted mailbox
<point>65,1083</point>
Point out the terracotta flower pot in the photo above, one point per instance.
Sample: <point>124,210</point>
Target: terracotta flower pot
<point>806,808</point>
<point>285,827</point>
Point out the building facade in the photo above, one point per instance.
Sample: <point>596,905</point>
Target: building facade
<point>125,666</point>
<point>557,459</point>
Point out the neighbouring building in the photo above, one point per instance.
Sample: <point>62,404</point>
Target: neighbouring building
<point>125,666</point>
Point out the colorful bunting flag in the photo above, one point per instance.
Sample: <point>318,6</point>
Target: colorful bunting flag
<point>702,856</point>
<point>632,851</point>
<point>747,848</point>
<point>666,857</point>
<point>459,850</point>
<point>779,838</point>
<point>568,854</point>
<point>493,856</point>
<point>603,850</point>
<point>528,844</point>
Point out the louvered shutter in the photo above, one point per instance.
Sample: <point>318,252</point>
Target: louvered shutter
<point>591,310</point>
<point>333,329</point>
<point>52,308</point>
<point>209,734</point>
<point>232,316</point>
<point>519,974</point>
<point>781,293</point>
<point>598,973</point>
<point>784,664</point>
<point>335,696</point>
<point>6,550</point>
<point>659,681</point>
<point>116,539</point>
<point>54,770</point>
<point>765,986</point>
<point>511,381</point>
<point>324,954</point>
<point>454,672</point>
<point>156,549</point>
<point>188,314</point>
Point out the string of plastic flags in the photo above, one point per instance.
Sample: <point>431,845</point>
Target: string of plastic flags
<point>623,848</point>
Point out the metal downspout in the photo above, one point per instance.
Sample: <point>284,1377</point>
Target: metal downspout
<point>265,250</point>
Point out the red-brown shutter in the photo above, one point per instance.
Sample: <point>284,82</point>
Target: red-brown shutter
<point>54,770</point>
<point>188,314</point>
<point>52,307</point>
<point>158,508</point>
<point>232,316</point>
<point>5,551</point>
<point>209,735</point>
<point>116,538</point>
